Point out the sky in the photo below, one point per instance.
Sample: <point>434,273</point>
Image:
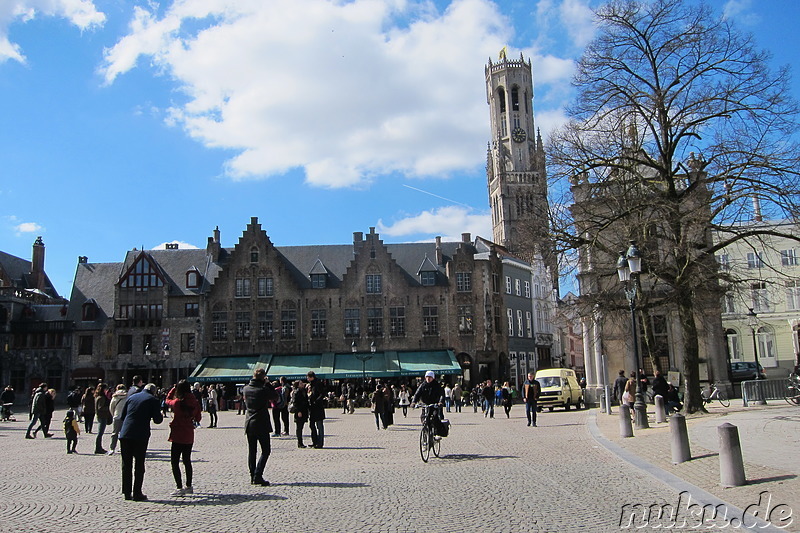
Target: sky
<point>131,123</point>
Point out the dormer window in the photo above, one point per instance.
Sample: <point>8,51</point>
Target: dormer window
<point>192,279</point>
<point>427,278</point>
<point>254,255</point>
<point>318,281</point>
<point>89,311</point>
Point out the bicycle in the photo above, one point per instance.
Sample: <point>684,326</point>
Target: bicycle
<point>713,393</point>
<point>793,390</point>
<point>428,440</point>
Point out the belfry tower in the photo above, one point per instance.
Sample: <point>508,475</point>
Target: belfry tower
<point>515,163</point>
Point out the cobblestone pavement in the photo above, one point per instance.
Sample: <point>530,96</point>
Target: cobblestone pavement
<point>769,440</point>
<point>494,475</point>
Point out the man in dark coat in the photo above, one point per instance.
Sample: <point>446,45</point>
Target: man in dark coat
<point>530,395</point>
<point>619,386</point>
<point>316,400</point>
<point>134,435</point>
<point>258,396</point>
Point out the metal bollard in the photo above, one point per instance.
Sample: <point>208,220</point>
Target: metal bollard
<point>661,413</point>
<point>731,465</point>
<point>679,439</point>
<point>625,426</point>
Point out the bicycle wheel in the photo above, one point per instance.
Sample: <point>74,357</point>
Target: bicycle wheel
<point>723,399</point>
<point>793,396</point>
<point>436,444</point>
<point>424,444</point>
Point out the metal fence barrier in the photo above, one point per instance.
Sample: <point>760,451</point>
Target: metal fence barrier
<point>760,390</point>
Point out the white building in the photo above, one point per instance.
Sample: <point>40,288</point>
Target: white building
<point>761,308</point>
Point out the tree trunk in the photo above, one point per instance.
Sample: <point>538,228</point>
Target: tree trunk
<point>692,401</point>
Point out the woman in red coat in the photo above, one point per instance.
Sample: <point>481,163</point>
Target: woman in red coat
<point>185,412</point>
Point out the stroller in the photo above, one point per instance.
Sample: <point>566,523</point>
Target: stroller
<point>7,415</point>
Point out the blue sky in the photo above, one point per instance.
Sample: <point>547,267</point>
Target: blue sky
<point>128,123</point>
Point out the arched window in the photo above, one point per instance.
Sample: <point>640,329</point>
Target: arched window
<point>501,97</point>
<point>254,255</point>
<point>733,345</point>
<point>767,354</point>
<point>515,99</point>
<point>192,279</point>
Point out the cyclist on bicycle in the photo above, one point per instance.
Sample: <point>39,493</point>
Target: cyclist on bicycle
<point>430,393</point>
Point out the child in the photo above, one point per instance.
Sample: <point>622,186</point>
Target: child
<point>71,430</point>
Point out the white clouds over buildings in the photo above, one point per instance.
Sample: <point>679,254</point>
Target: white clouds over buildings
<point>345,91</point>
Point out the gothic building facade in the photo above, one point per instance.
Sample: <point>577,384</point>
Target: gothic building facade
<point>159,313</point>
<point>35,334</point>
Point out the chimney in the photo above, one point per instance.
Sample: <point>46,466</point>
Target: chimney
<point>439,258</point>
<point>213,248</point>
<point>466,237</point>
<point>82,259</point>
<point>756,209</point>
<point>357,237</point>
<point>37,263</point>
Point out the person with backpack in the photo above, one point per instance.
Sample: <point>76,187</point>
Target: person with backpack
<point>74,402</point>
<point>530,395</point>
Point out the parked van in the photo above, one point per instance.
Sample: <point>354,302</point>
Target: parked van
<point>560,388</point>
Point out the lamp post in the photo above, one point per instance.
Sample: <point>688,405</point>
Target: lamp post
<point>752,321</point>
<point>629,266</point>
<point>364,357</point>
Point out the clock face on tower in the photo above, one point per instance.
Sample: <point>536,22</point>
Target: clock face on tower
<point>518,135</point>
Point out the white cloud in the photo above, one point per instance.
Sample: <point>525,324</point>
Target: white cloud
<point>181,245</point>
<point>740,10</point>
<point>578,19</point>
<point>81,13</point>
<point>27,227</point>
<point>448,222</point>
<point>344,91</point>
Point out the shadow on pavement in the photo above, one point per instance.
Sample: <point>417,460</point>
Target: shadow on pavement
<point>216,499</point>
<point>325,485</point>
<point>474,457</point>
<point>710,454</point>
<point>773,478</point>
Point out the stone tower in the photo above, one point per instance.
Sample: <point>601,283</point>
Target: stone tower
<point>515,166</point>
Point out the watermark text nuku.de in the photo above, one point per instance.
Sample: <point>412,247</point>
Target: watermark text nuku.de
<point>686,514</point>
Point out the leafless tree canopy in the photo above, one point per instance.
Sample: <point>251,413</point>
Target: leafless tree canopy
<point>677,127</point>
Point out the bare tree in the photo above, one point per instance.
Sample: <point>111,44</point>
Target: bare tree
<point>677,127</point>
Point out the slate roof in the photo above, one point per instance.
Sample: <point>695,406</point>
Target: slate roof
<point>93,281</point>
<point>18,270</point>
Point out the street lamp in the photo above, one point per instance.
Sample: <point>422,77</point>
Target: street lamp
<point>364,357</point>
<point>752,321</point>
<point>629,265</point>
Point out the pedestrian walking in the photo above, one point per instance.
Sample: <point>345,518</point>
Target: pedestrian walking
<point>37,410</point>
<point>49,409</point>
<point>448,397</point>
<point>457,397</point>
<point>71,431</point>
<point>405,399</point>
<point>258,396</point>
<point>103,414</point>
<point>630,391</point>
<point>507,399</point>
<point>134,436</point>
<point>488,399</point>
<point>285,392</point>
<point>116,406</point>
<point>378,405</point>
<point>87,402</point>
<point>619,386</point>
<point>185,413</point>
<point>316,400</point>
<point>298,405</point>
<point>530,395</point>
<point>212,405</point>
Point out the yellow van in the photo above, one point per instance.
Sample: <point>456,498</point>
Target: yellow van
<point>560,388</point>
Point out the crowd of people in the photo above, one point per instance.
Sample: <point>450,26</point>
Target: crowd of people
<point>268,407</point>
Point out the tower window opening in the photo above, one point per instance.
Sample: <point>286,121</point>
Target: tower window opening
<point>515,99</point>
<point>501,97</point>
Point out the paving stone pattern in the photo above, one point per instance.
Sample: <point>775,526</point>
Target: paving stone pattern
<point>494,475</point>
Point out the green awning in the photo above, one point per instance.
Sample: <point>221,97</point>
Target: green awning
<point>344,365</point>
